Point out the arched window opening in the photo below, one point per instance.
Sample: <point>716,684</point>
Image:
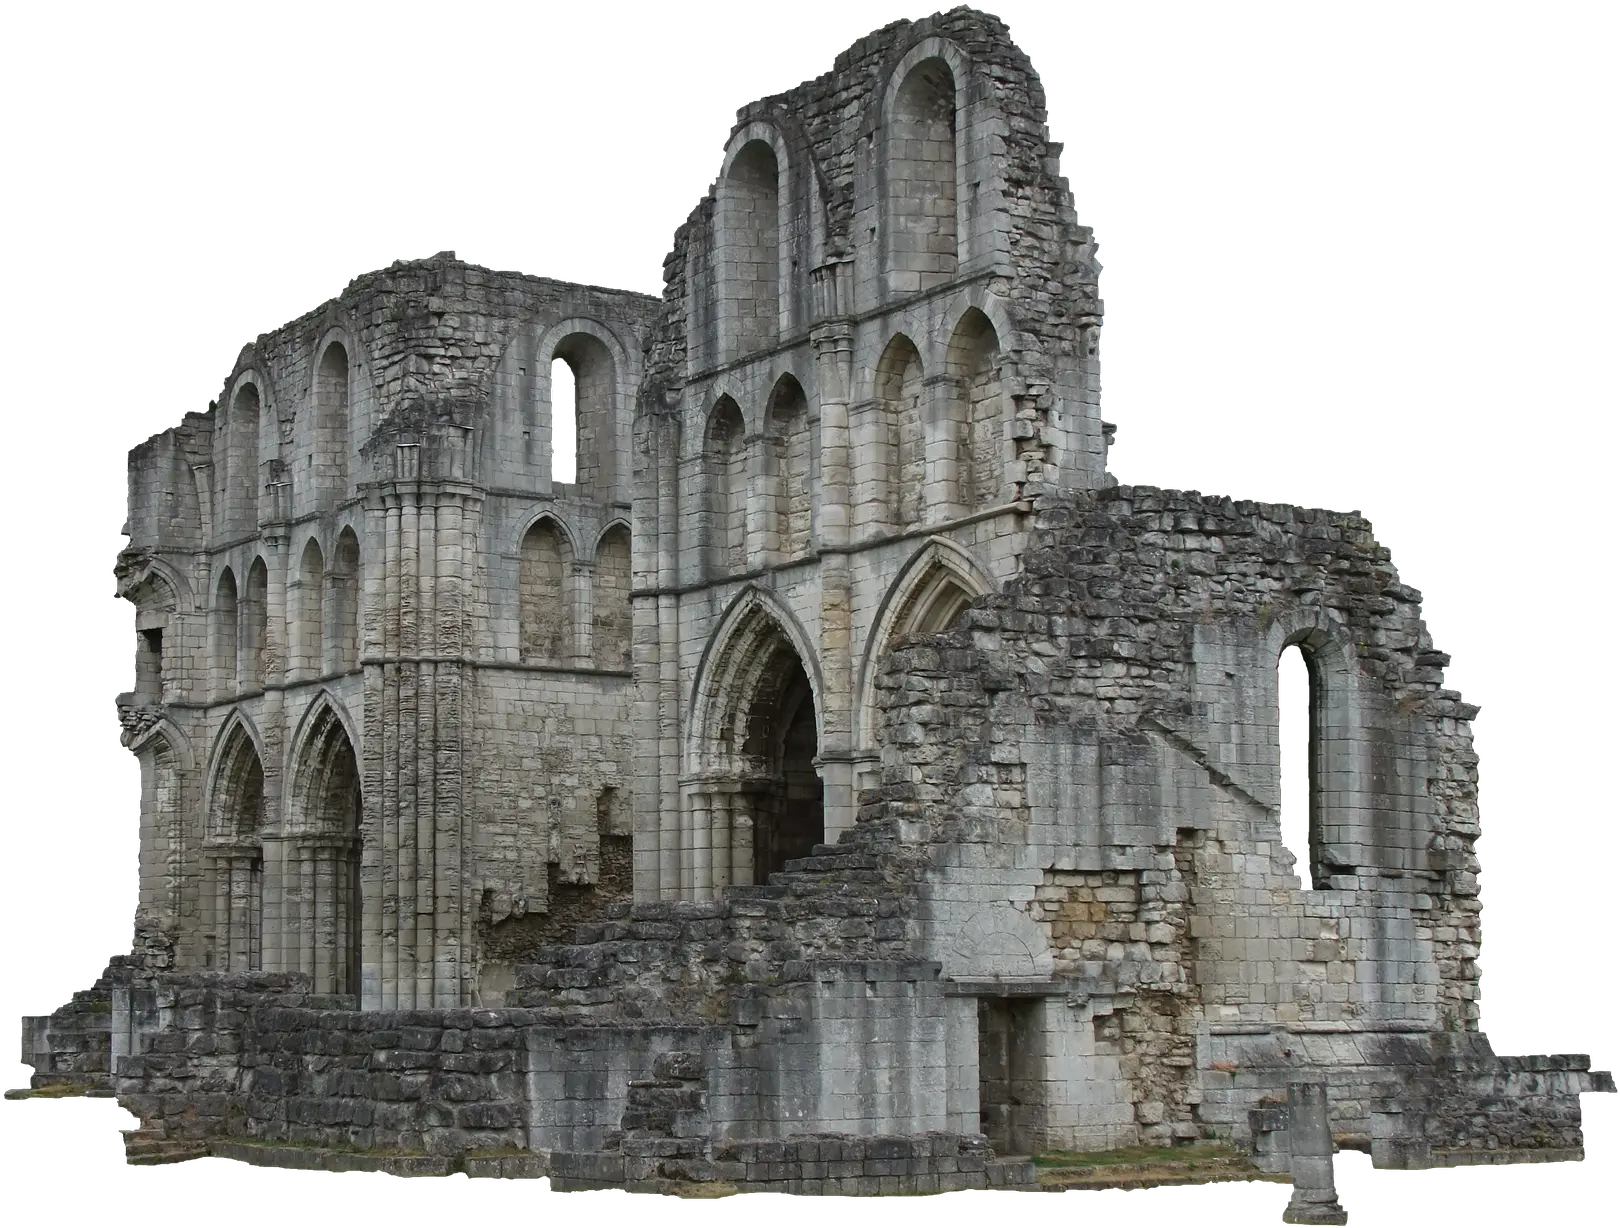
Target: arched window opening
<point>748,251</point>
<point>584,380</point>
<point>545,623</point>
<point>1296,736</point>
<point>343,598</point>
<point>254,640</point>
<point>978,414</point>
<point>610,600</point>
<point>225,620</point>
<point>727,462</point>
<point>309,622</point>
<point>242,479</point>
<point>791,454</point>
<point>329,462</point>
<point>900,388</point>
<point>564,423</point>
<point>921,178</point>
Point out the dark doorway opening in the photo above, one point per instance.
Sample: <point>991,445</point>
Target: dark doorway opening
<point>1009,1074</point>
<point>788,821</point>
<point>1296,728</point>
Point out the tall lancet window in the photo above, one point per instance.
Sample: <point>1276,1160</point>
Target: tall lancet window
<point>564,423</point>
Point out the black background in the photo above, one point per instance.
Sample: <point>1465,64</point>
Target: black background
<point>1343,274</point>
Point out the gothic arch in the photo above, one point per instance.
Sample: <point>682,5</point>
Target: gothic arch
<point>724,493</point>
<point>937,582</point>
<point>750,237</point>
<point>753,744</point>
<point>179,745</point>
<point>923,118</point>
<point>792,457</point>
<point>144,583</point>
<point>755,627</point>
<point>227,789</point>
<point>603,400</point>
<point>546,556</point>
<point>571,536</point>
<point>362,392</point>
<point>801,179</point>
<point>324,720</point>
<point>321,896</point>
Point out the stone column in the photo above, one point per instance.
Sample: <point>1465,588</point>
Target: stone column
<point>834,356</point>
<point>278,935</point>
<point>720,840</point>
<point>416,876</point>
<point>646,551</point>
<point>944,456</point>
<point>742,839</point>
<point>1310,1147</point>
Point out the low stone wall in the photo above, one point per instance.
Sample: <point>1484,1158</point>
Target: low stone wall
<point>1413,1100</point>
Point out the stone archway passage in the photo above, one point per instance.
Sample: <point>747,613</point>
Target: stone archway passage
<point>788,816</point>
<point>759,804</point>
<point>322,874</point>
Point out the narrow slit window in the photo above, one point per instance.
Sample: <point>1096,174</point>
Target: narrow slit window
<point>564,423</point>
<point>1294,746</point>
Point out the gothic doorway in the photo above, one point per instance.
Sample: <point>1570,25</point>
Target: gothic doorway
<point>756,792</point>
<point>322,873</point>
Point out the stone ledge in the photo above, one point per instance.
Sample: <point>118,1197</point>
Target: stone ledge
<point>1462,1156</point>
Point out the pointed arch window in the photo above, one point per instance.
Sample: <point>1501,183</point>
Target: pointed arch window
<point>1299,754</point>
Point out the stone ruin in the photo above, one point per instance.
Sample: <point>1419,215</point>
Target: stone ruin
<point>837,783</point>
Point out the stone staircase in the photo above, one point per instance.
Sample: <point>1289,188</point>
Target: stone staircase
<point>150,1145</point>
<point>847,901</point>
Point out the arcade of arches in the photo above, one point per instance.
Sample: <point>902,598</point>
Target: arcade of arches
<point>312,878</point>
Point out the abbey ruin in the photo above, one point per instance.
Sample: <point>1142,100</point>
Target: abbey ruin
<point>837,783</point>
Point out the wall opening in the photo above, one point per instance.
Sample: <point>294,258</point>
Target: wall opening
<point>253,641</point>
<point>791,462</point>
<point>242,481</point>
<point>1009,1075</point>
<point>610,600</point>
<point>308,639</point>
<point>726,459</point>
<point>545,624</point>
<point>788,816</point>
<point>589,386</point>
<point>920,251</point>
<point>343,616</point>
<point>224,632</point>
<point>1296,741</point>
<point>977,415</point>
<point>237,834</point>
<point>900,388</point>
<point>749,253</point>
<point>329,461</point>
<point>149,666</point>
<point>321,887</point>
<point>564,423</point>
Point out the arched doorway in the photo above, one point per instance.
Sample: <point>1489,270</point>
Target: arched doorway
<point>321,876</point>
<point>780,782</point>
<point>756,799</point>
<point>235,856</point>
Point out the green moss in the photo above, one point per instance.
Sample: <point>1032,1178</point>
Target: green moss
<point>1191,1153</point>
<point>51,1091</point>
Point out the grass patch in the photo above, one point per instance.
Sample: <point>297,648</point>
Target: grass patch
<point>1191,1153</point>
